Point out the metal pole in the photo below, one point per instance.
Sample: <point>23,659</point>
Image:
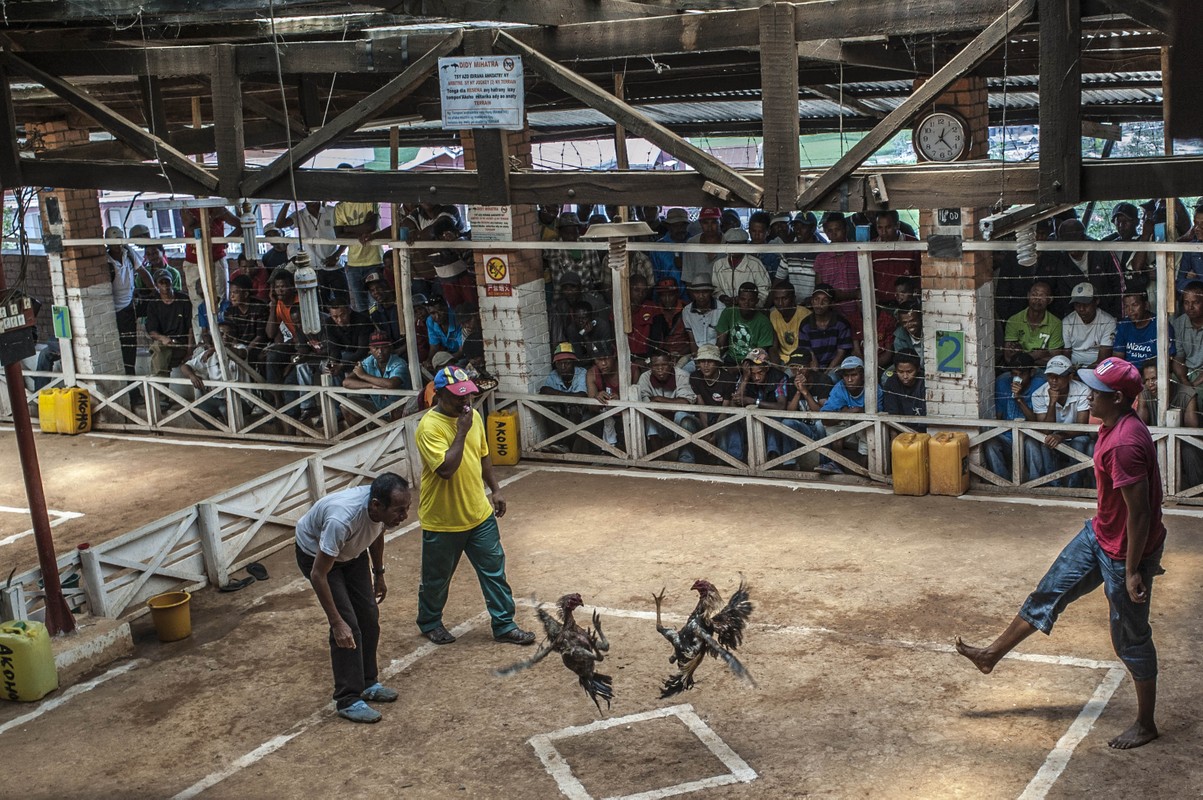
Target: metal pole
<point>58,616</point>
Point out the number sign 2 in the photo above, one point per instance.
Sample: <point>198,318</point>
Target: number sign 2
<point>950,352</point>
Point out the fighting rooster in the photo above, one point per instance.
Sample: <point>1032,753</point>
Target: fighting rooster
<point>580,649</point>
<point>706,632</point>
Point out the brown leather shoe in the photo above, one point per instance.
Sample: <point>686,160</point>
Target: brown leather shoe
<point>439,635</point>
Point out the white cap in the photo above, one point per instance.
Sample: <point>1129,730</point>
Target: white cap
<point>1058,365</point>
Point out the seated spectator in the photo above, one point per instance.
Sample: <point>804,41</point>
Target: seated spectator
<point>805,227</point>
<point>1034,330</point>
<point>587,265</point>
<point>382,369</point>
<point>762,386</point>
<point>570,293</point>
<point>1136,334</point>
<point>666,334</point>
<point>347,335</point>
<point>903,393</point>
<point>589,332</point>
<point>786,317</point>
<point>204,365</point>
<point>890,265</point>
<point>702,314</point>
<point>1088,331</point>
<point>442,328</point>
<point>247,317</point>
<point>1061,399</point>
<point>825,333</point>
<point>257,276</point>
<point>1068,269</point>
<point>848,397</point>
<point>1186,403</point>
<point>758,233</point>
<point>908,336</point>
<point>567,379</point>
<point>694,264</point>
<point>666,264</point>
<point>419,330</point>
<point>1188,332</point>
<point>808,387</point>
<point>664,383</point>
<point>840,273</point>
<point>290,351</point>
<point>275,257</point>
<point>714,386</point>
<point>1013,401</point>
<point>1132,264</point>
<point>1190,264</point>
<point>383,311</point>
<point>602,383</point>
<point>743,327</point>
<point>732,271</point>
<point>638,340</point>
<point>169,326</point>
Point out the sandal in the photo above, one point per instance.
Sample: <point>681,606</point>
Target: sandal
<point>234,586</point>
<point>516,636</point>
<point>439,635</point>
<point>257,570</point>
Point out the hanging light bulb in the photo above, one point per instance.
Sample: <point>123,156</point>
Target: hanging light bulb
<point>1025,252</point>
<point>250,232</point>
<point>306,283</point>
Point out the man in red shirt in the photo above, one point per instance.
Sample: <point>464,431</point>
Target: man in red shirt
<point>1120,549</point>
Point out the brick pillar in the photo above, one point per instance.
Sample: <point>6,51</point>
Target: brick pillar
<point>515,328</point>
<point>85,271</point>
<point>958,293</point>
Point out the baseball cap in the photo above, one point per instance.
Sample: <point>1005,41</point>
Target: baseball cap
<point>708,352</point>
<point>1113,375</point>
<point>780,218</point>
<point>163,275</point>
<point>441,359</point>
<point>806,218</point>
<point>454,380</point>
<point>1082,293</point>
<point>1058,365</point>
<point>825,288</point>
<point>379,337</point>
<point>851,362</point>
<point>1127,209</point>
<point>372,277</point>
<point>801,359</point>
<point>572,278</point>
<point>666,284</point>
<point>735,236</point>
<point>139,232</point>
<point>748,286</point>
<point>113,232</point>
<point>757,356</point>
<point>568,219</point>
<point>420,299</point>
<point>676,215</point>
<point>703,282</point>
<point>564,352</point>
<point>711,213</point>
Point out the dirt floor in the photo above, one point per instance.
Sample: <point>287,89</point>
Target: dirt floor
<point>117,483</point>
<point>858,694</point>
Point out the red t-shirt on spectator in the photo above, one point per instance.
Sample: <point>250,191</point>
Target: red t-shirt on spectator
<point>889,266</point>
<point>1125,455</point>
<point>217,228</point>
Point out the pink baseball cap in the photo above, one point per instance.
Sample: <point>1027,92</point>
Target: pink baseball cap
<point>1113,375</point>
<point>454,380</point>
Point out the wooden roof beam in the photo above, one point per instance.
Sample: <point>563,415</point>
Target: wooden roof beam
<point>147,144</point>
<point>964,61</point>
<point>858,54</point>
<point>630,118</point>
<point>396,89</point>
<point>544,12</point>
<point>1145,12</point>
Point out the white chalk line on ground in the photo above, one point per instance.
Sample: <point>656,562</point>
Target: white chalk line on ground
<point>735,480</point>
<point>231,445</point>
<point>317,717</point>
<point>1085,505</point>
<point>571,787</point>
<point>59,518</point>
<point>69,694</point>
<point>1058,758</point>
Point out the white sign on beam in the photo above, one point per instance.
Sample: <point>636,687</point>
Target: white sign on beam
<point>481,92</point>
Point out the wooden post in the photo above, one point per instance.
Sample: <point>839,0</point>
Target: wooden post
<point>315,471</point>
<point>204,254</point>
<point>1164,288</point>
<point>1171,203</point>
<point>779,92</point>
<point>209,527</point>
<point>1060,102</point>
<point>620,294</point>
<point>403,269</point>
<point>394,138</point>
<point>93,583</point>
<point>621,158</point>
<point>868,308</point>
<point>227,121</point>
<point>492,154</point>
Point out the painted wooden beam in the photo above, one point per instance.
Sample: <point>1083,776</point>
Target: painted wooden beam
<point>779,99</point>
<point>227,121</point>
<point>1060,102</point>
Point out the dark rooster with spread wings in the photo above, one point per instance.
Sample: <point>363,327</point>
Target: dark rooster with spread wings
<point>580,648</point>
<point>706,632</point>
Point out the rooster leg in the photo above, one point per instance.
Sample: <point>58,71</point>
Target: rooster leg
<point>600,643</point>
<point>659,598</point>
<point>539,655</point>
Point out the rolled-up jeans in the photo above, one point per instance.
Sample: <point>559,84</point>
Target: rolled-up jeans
<point>1081,568</point>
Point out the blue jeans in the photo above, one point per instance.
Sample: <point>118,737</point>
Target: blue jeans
<point>687,421</point>
<point>47,356</point>
<point>1043,460</point>
<point>811,430</point>
<point>997,452</point>
<point>360,299</point>
<point>1080,569</point>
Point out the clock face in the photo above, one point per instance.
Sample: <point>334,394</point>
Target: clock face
<point>941,137</point>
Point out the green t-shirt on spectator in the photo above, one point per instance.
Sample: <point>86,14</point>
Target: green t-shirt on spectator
<point>1045,336</point>
<point>744,334</point>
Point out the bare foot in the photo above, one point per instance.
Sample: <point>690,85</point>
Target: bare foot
<point>1136,735</point>
<point>978,655</point>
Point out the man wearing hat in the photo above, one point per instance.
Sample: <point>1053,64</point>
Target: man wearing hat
<point>124,270</point>
<point>456,515</point>
<point>764,387</point>
<point>1132,265</point>
<point>666,332</point>
<point>360,221</point>
<point>715,386</point>
<point>1088,331</point>
<point>1069,268</point>
<point>735,268</point>
<point>793,263</point>
<point>567,378</point>
<point>382,369</point>
<point>1119,549</point>
<point>277,253</point>
<point>667,264</point>
<point>695,264</point>
<point>383,312</point>
<point>169,326</point>
<point>585,264</point>
<point>701,314</point>
<point>1060,399</point>
<point>848,397</point>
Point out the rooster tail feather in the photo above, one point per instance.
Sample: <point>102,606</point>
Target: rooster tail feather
<point>598,685</point>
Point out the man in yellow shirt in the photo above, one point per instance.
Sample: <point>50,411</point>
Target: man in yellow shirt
<point>456,515</point>
<point>359,221</point>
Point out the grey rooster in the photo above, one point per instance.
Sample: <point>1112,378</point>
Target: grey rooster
<point>580,648</point>
<point>706,633</point>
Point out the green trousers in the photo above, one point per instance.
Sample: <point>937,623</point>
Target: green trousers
<point>440,557</point>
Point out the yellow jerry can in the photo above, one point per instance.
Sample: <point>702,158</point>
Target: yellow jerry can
<point>27,670</point>
<point>74,411</point>
<point>48,410</point>
<point>950,463</point>
<point>504,439</point>
<point>909,457</point>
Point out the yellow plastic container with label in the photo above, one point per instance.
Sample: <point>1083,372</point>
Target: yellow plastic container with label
<point>27,670</point>
<point>73,411</point>
<point>48,410</point>
<point>950,463</point>
<point>504,438</point>
<point>909,457</point>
